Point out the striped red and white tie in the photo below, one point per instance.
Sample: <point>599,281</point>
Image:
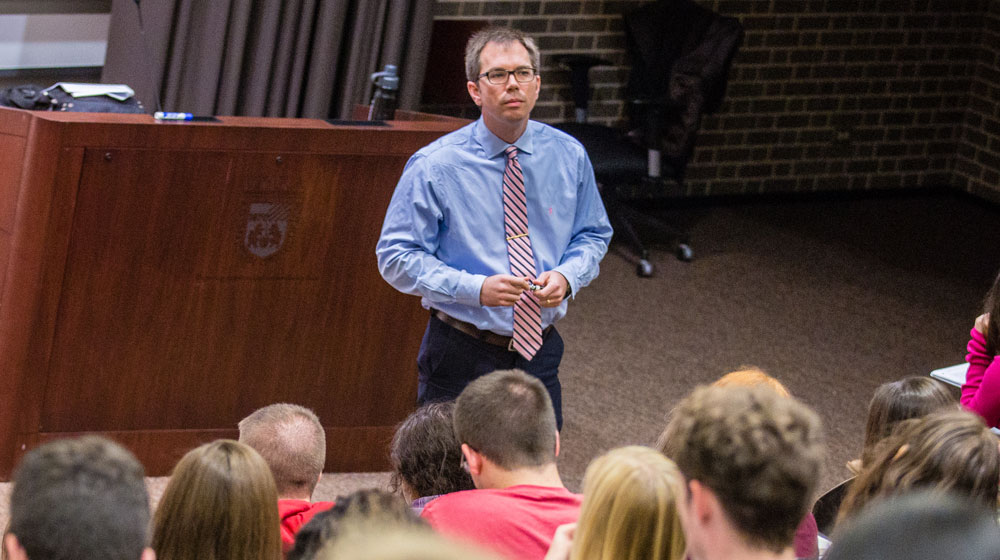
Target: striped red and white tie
<point>527,337</point>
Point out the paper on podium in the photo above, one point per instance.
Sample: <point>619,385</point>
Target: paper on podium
<point>121,92</point>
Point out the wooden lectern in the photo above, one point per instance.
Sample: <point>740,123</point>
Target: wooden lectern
<point>160,281</point>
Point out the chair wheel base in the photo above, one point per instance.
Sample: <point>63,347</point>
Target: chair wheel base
<point>684,252</point>
<point>644,269</point>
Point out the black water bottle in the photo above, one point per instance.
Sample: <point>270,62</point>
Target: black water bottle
<point>383,105</point>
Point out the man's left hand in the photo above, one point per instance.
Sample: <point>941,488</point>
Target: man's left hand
<point>554,288</point>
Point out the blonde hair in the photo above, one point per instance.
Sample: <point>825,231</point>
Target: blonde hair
<point>630,508</point>
<point>220,504</point>
<point>389,542</point>
<point>751,376</point>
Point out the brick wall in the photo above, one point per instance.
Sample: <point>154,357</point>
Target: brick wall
<point>559,27</point>
<point>977,165</point>
<point>823,95</point>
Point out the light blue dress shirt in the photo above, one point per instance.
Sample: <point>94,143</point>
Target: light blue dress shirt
<point>444,230</point>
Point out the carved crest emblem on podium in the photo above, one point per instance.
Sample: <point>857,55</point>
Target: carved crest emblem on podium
<point>267,228</point>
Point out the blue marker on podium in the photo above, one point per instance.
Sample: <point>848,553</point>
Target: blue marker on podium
<point>161,116</point>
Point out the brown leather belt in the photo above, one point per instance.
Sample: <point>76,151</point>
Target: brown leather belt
<point>488,337</point>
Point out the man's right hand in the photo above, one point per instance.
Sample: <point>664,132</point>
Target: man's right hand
<point>502,290</point>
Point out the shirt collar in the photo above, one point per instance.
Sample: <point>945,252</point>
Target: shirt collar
<point>494,146</point>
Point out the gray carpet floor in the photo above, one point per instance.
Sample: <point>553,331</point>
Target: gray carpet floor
<point>833,297</point>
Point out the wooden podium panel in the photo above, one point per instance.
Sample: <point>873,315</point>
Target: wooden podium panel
<point>163,280</point>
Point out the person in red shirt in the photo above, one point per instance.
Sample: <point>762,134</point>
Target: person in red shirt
<point>293,443</point>
<point>507,428</point>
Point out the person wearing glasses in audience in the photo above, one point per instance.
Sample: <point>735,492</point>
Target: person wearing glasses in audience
<point>495,226</point>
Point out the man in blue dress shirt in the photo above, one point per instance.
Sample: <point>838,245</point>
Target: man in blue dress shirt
<point>444,232</point>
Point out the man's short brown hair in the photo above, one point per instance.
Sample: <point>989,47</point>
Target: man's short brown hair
<point>500,35</point>
<point>759,452</point>
<point>507,416</point>
<point>291,440</point>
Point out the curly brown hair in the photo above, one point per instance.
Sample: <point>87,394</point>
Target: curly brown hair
<point>426,455</point>
<point>359,510</point>
<point>759,452</point>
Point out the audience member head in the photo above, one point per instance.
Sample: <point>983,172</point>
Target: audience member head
<point>78,499</point>
<point>945,451</point>
<point>507,417</point>
<point>395,543</point>
<point>630,508</point>
<point>425,455</point>
<point>354,512</point>
<point>220,503</point>
<point>896,401</point>
<point>499,35</point>
<point>920,526</point>
<point>751,460</point>
<point>991,308</point>
<point>750,376</point>
<point>292,441</point>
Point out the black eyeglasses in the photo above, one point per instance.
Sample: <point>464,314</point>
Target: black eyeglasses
<point>498,76</point>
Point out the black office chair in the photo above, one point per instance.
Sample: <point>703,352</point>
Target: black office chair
<point>680,54</point>
<point>828,505</point>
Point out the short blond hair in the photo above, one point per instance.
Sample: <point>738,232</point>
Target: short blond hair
<point>292,441</point>
<point>629,510</point>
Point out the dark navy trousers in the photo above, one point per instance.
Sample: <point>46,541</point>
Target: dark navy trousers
<point>449,359</point>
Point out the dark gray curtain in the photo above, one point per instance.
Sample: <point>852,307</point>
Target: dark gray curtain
<point>280,58</point>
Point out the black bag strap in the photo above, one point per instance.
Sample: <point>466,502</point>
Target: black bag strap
<point>27,96</point>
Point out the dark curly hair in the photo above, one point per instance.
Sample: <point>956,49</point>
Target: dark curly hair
<point>363,508</point>
<point>426,455</point>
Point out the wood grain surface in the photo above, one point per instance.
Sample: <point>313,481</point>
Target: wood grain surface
<point>166,279</point>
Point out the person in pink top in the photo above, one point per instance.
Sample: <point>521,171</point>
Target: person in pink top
<point>292,442</point>
<point>981,391</point>
<point>507,428</point>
